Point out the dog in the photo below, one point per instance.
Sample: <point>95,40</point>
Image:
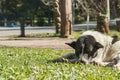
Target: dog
<point>94,47</point>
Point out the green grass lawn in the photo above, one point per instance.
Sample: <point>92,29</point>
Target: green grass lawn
<point>76,34</point>
<point>32,64</point>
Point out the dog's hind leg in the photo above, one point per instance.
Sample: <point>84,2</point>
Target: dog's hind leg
<point>117,66</point>
<point>101,63</point>
<point>116,57</point>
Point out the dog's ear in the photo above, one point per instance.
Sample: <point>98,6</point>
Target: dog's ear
<point>115,38</point>
<point>98,45</point>
<point>72,44</point>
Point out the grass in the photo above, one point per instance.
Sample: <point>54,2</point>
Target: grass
<point>113,32</point>
<point>76,34</point>
<point>32,64</point>
<point>45,36</point>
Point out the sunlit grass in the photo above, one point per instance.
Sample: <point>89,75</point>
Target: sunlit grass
<point>44,35</point>
<point>76,34</point>
<point>32,64</point>
<point>113,32</point>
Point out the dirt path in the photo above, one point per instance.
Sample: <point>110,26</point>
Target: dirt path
<point>44,43</point>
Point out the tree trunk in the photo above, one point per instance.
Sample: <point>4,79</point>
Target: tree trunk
<point>118,25</point>
<point>22,28</point>
<point>57,16</point>
<point>66,18</point>
<point>102,23</point>
<point>108,9</point>
<point>114,10</point>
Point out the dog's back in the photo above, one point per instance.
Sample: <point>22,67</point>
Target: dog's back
<point>114,52</point>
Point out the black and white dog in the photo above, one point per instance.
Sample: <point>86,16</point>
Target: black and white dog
<point>94,47</point>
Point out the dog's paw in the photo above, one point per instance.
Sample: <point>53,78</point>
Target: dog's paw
<point>65,60</point>
<point>97,62</point>
<point>116,67</point>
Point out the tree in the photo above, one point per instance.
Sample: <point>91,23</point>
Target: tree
<point>95,7</point>
<point>56,11</point>
<point>115,8</point>
<point>102,23</point>
<point>22,27</point>
<point>23,10</point>
<point>57,16</point>
<point>66,18</point>
<point>63,16</point>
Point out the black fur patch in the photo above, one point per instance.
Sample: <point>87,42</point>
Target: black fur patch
<point>115,39</point>
<point>90,45</point>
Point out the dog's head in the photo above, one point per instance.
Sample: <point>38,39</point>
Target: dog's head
<point>85,45</point>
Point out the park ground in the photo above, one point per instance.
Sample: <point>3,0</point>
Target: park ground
<point>7,34</point>
<point>37,43</point>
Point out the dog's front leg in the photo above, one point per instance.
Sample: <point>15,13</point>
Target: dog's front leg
<point>70,57</point>
<point>97,61</point>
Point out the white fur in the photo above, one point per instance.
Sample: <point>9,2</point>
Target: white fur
<point>110,54</point>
